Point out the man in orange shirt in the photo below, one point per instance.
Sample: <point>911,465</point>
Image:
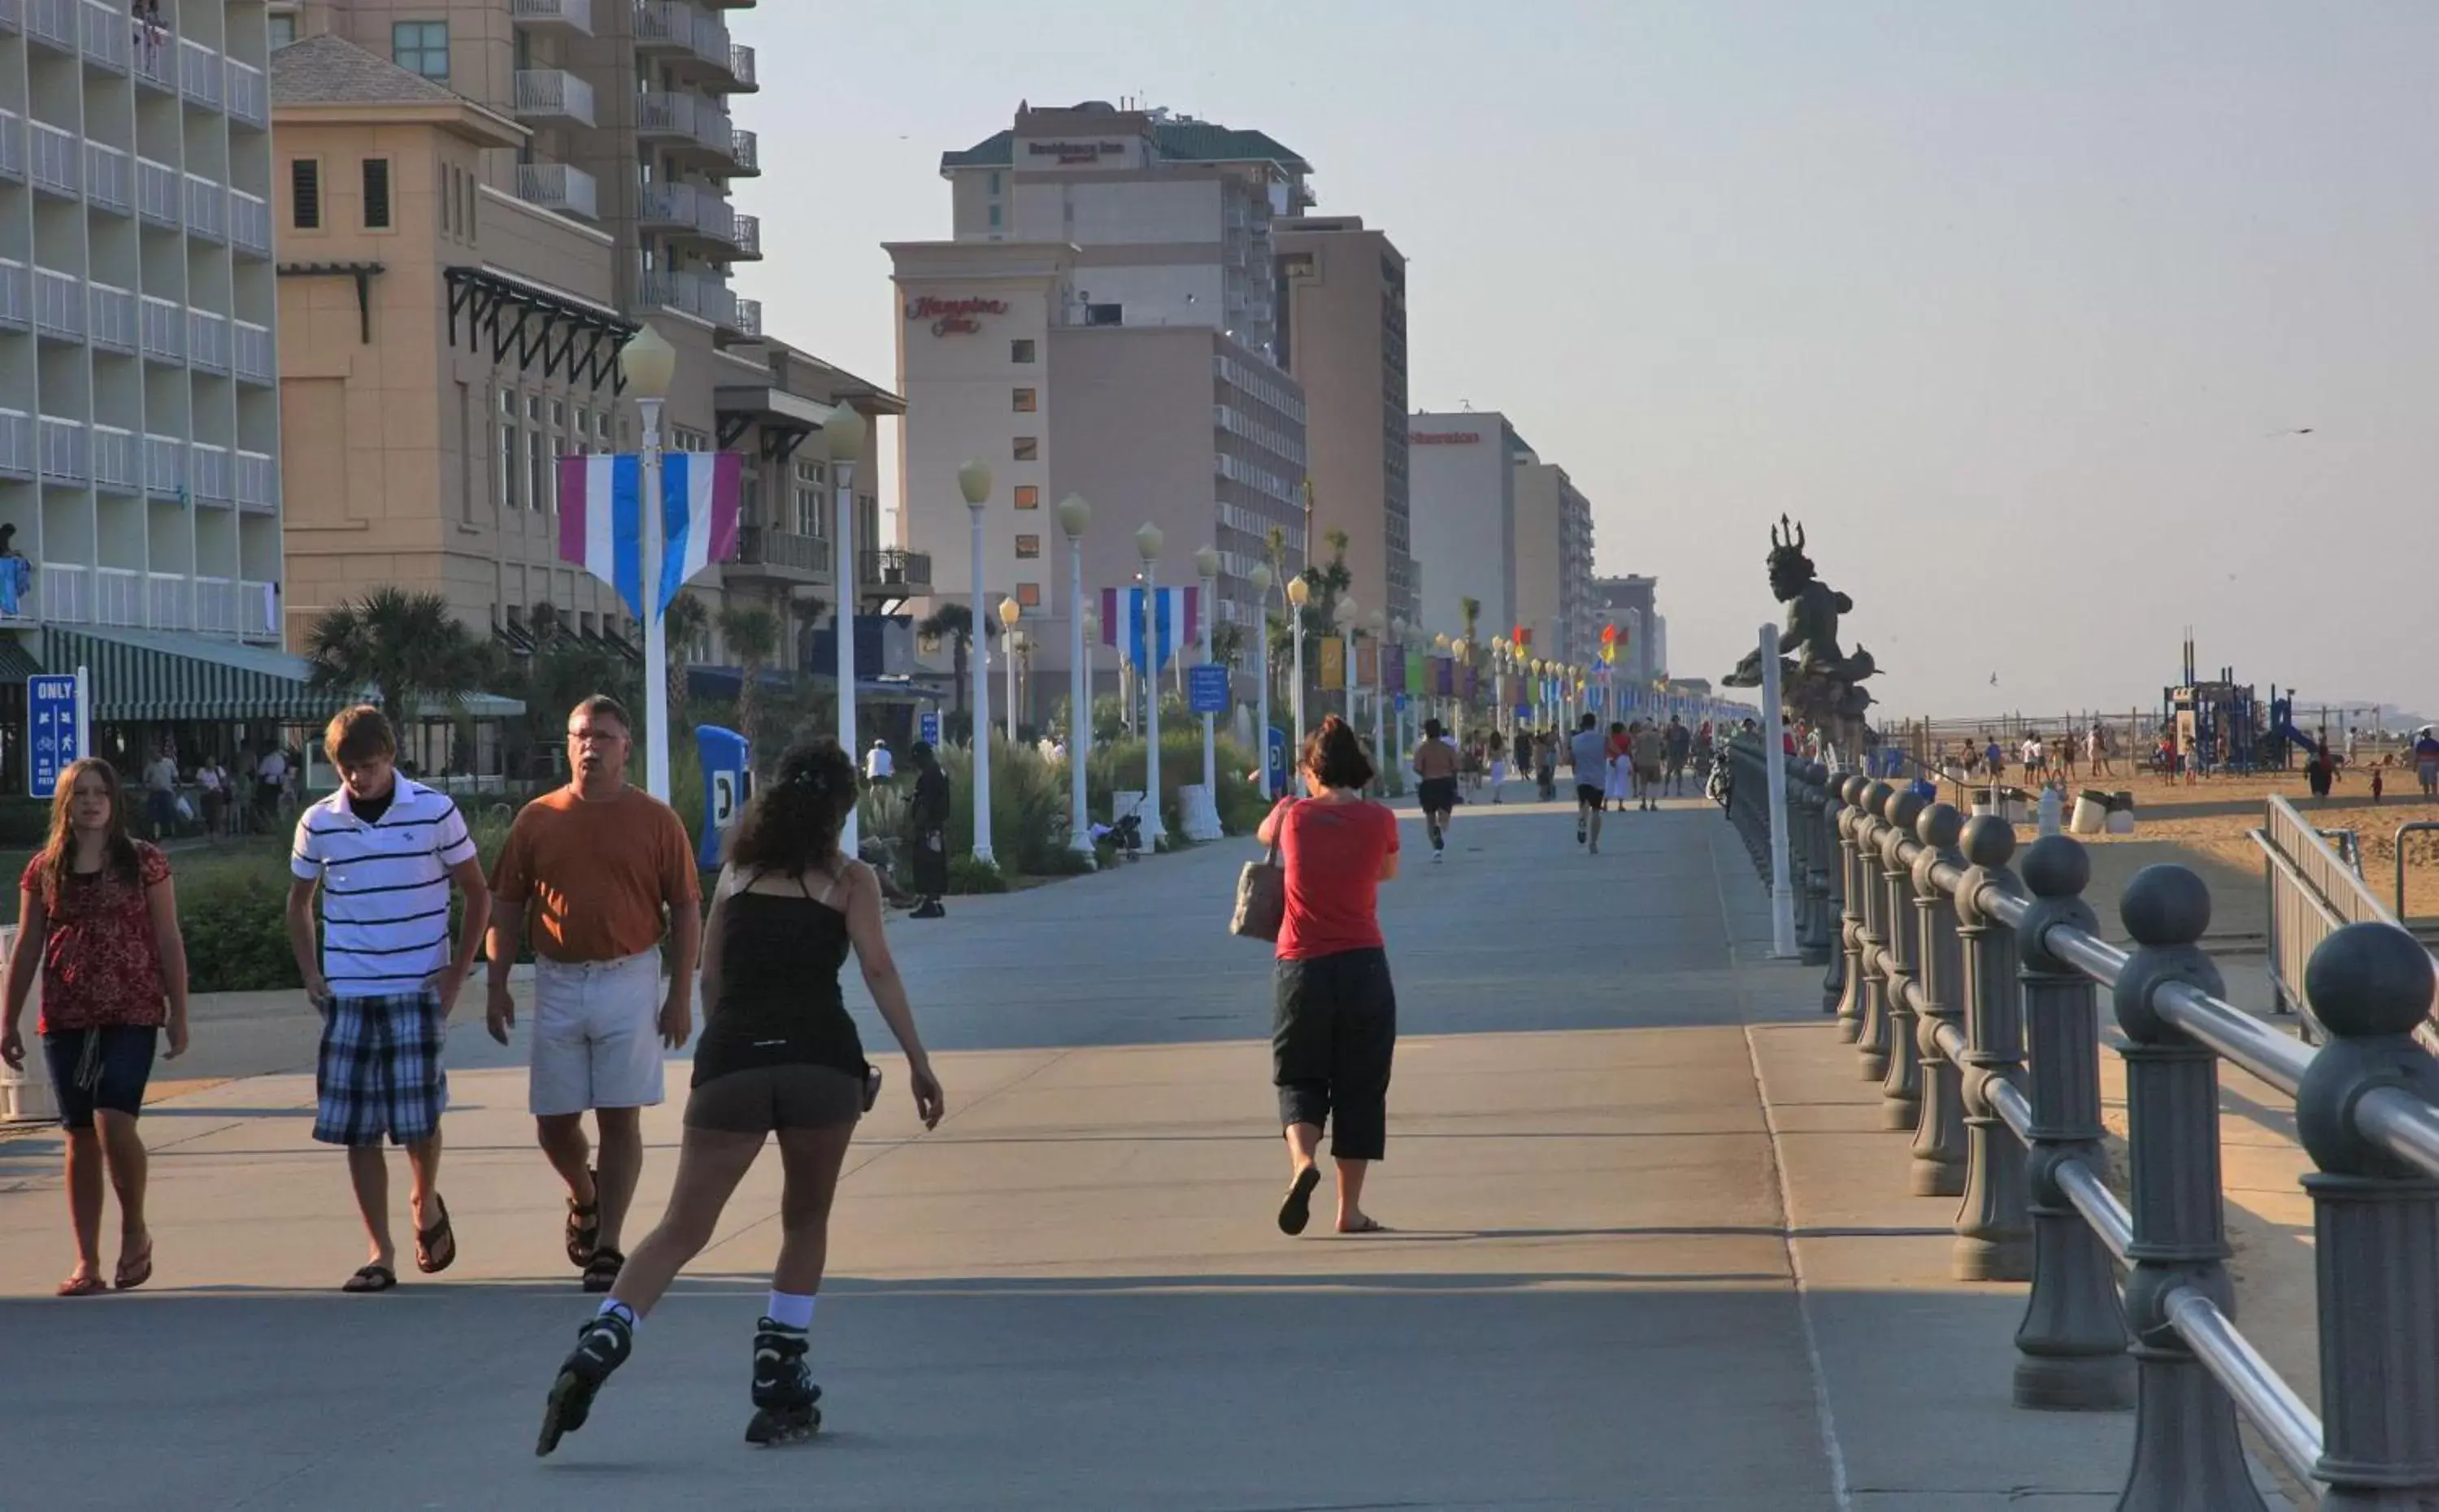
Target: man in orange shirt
<point>596,864</point>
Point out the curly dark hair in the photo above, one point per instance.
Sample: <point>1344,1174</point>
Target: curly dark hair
<point>793,824</point>
<point>1335,755</point>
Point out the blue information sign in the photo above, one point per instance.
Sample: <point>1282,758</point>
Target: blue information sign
<point>927,727</point>
<point>1206,689</point>
<point>53,738</point>
<point>725,786</point>
<point>1277,744</point>
<point>1401,703</point>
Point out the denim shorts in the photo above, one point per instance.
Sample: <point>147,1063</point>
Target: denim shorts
<point>100,1068</point>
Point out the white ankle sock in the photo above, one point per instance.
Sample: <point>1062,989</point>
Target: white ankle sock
<point>791,1309</point>
<point>625,1313</point>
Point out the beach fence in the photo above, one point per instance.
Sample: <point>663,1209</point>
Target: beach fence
<point>1971,981</point>
<point>2315,890</point>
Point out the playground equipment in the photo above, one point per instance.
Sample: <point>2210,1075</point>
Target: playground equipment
<point>2283,734</point>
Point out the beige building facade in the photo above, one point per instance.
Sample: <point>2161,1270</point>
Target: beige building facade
<point>1553,553</point>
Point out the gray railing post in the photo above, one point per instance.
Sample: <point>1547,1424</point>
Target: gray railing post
<point>1871,1037</point>
<point>1994,1238</point>
<point>2071,1345</point>
<point>2186,1452</point>
<point>1834,937</point>
<point>1939,1136</point>
<point>2375,1220</point>
<point>1902,1082</point>
<point>1850,909</point>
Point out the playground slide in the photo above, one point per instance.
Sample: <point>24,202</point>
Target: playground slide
<point>2284,730</point>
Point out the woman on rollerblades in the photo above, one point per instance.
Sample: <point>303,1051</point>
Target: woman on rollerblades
<point>779,1055</point>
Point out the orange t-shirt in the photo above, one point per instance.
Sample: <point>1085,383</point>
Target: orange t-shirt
<point>591,877</point>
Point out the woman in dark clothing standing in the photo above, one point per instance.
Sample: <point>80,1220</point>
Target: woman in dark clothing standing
<point>1334,1015</point>
<point>779,1055</point>
<point>927,820</point>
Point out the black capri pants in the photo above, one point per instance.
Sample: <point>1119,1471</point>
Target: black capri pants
<point>1333,1033</point>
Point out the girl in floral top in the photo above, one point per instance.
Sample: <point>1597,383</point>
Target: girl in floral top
<point>99,913</point>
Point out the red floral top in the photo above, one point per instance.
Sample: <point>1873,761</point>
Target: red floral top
<point>101,963</point>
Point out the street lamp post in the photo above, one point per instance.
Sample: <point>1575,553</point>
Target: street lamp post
<point>1345,615</point>
<point>1401,629</point>
<point>1009,612</point>
<point>975,482</point>
<point>1299,594</point>
<point>649,364</point>
<point>1148,544</point>
<point>844,432</point>
<point>1380,623</point>
<point>1206,564</point>
<point>1260,580</point>
<point>1074,516</point>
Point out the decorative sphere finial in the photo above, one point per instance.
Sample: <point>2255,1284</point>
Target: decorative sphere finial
<point>2166,905</point>
<point>2369,979</point>
<point>1989,840</point>
<point>2056,867</point>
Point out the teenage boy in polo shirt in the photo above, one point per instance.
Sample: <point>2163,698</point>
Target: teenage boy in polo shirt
<point>597,862</point>
<point>382,852</point>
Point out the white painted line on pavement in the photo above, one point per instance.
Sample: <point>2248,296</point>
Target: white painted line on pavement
<point>1830,1449</point>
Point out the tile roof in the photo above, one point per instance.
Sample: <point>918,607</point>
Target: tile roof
<point>1178,142</point>
<point>331,70</point>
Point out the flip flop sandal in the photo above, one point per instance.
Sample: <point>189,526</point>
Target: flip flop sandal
<point>601,1273</point>
<point>584,1226</point>
<point>1296,1211</point>
<point>371,1278</point>
<point>81,1286</point>
<point>1369,1225</point>
<point>435,1248</point>
<point>134,1270</point>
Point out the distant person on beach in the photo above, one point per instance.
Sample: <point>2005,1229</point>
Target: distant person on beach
<point>1436,773</point>
<point>2096,751</point>
<point>2426,759</point>
<point>1497,747</point>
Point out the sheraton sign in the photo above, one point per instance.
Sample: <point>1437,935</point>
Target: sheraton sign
<point>1444,437</point>
<point>953,317</point>
<point>1070,153</point>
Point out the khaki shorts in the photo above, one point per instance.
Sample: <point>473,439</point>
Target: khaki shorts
<point>597,1038</point>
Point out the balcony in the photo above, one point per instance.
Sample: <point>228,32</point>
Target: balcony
<point>199,74</point>
<point>65,593</point>
<point>741,69</point>
<point>781,555</point>
<point>687,121</point>
<point>694,293</point>
<point>561,18</point>
<point>55,161</point>
<point>749,317</point>
<point>249,222</point>
<point>894,574</point>
<point>58,305</point>
<point>108,31</point>
<point>62,450</point>
<point>16,296</point>
<point>745,153</point>
<point>249,98</point>
<point>166,597</point>
<point>16,444</point>
<point>12,15</point>
<point>257,482</point>
<point>164,331</point>
<point>253,353</point>
<point>165,467</point>
<point>208,472</point>
<point>109,181</point>
<point>114,463</point>
<point>553,95</point>
<point>157,65</point>
<point>694,209</point>
<point>156,193</point>
<point>216,606</point>
<point>206,209</point>
<point>748,238</point>
<point>207,342</point>
<point>110,313</point>
<point>53,23</point>
<point>12,142</point>
<point>663,26</point>
<point>558,186</point>
<point>258,616</point>
<point>119,597</point>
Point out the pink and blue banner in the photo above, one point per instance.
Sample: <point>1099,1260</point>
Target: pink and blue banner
<point>601,518</point>
<point>1151,634</point>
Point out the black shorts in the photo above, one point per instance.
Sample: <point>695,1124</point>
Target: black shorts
<point>1333,1041</point>
<point>1589,796</point>
<point>100,1068</point>
<point>764,1099</point>
<point>1436,795</point>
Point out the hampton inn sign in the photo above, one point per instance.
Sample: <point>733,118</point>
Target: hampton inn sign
<point>953,317</point>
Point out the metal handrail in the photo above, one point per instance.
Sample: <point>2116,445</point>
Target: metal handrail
<point>2417,828</point>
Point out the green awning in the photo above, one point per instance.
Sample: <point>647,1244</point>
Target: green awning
<point>474,706</point>
<point>146,675</point>
<point>16,663</point>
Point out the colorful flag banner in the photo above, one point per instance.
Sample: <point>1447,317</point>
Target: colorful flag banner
<point>1151,634</point>
<point>1393,671</point>
<point>601,518</point>
<point>1333,664</point>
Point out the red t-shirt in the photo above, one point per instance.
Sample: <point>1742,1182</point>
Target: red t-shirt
<point>1332,853</point>
<point>101,965</point>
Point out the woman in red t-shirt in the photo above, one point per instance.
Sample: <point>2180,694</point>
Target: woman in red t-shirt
<point>1334,1013</point>
<point>99,913</point>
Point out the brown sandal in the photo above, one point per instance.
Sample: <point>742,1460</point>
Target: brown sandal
<point>81,1286</point>
<point>435,1248</point>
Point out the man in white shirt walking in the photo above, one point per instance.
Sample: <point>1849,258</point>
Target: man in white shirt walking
<point>877,764</point>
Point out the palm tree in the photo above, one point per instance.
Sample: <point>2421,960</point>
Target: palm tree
<point>751,632</point>
<point>403,648</point>
<point>955,623</point>
<point>1227,644</point>
<point>682,625</point>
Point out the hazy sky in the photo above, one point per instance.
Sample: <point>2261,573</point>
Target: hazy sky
<point>2010,303</point>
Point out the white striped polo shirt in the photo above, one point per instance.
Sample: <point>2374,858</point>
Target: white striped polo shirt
<point>385,887</point>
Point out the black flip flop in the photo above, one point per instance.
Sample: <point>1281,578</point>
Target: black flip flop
<point>371,1278</point>
<point>1296,1211</point>
<point>435,1248</point>
<point>584,1226</point>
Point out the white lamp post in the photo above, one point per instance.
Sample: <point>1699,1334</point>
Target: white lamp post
<point>1380,623</point>
<point>1206,564</point>
<point>1260,579</point>
<point>1299,594</point>
<point>975,482</point>
<point>1074,516</point>
<point>845,433</point>
<point>1148,544</point>
<point>1344,615</point>
<point>650,365</point>
<point>1009,612</point>
<point>1401,629</point>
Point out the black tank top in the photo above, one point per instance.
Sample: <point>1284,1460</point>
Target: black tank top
<point>780,1002</point>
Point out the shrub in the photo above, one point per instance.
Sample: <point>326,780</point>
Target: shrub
<point>967,875</point>
<point>1120,765</point>
<point>233,914</point>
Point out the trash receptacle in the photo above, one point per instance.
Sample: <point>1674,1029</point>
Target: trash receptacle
<point>26,1096</point>
<point>2090,812</point>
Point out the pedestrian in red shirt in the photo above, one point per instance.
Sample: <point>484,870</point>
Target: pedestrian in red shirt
<point>99,914</point>
<point>1334,1012</point>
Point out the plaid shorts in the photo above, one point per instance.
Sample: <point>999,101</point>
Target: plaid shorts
<point>380,1069</point>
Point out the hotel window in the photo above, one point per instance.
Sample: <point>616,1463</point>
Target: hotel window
<point>538,460</point>
<point>1025,402</point>
<point>1027,547</point>
<point>1029,595</point>
<point>994,217</point>
<point>283,30</point>
<point>376,194</point>
<point>508,465</point>
<point>305,193</point>
<point>1028,449</point>
<point>1028,496</point>
<point>1019,352</point>
<point>421,47</point>
<point>994,182</point>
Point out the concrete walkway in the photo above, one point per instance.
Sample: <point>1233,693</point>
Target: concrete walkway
<point>1619,1139</point>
